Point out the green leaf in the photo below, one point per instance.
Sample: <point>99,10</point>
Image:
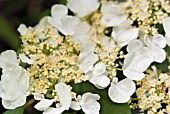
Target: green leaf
<point>107,106</point>
<point>19,110</point>
<point>8,33</point>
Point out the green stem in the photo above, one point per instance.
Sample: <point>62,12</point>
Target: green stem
<point>29,103</point>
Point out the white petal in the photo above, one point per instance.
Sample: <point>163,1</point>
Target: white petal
<point>86,6</point>
<point>86,49</point>
<point>59,11</point>
<point>167,37</point>
<point>89,97</point>
<point>99,69</point>
<point>38,96</point>
<point>87,62</point>
<point>24,82</point>
<point>166,24</point>
<point>10,55</point>
<point>22,29</point>
<point>100,82</point>
<point>64,96</point>
<point>20,101</point>
<point>43,104</point>
<point>112,15</point>
<point>141,60</point>
<point>75,105</point>
<point>81,32</point>
<point>159,40</point>
<point>51,110</point>
<point>121,92</point>
<point>134,46</point>
<point>91,107</point>
<point>43,23</point>
<point>25,59</point>
<point>159,54</point>
<point>133,75</point>
<point>68,24</point>
<point>108,43</point>
<point>123,37</point>
<point>11,88</point>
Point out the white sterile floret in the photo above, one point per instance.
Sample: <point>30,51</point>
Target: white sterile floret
<point>156,43</point>
<point>9,62</point>
<point>88,103</point>
<point>98,76</point>
<point>124,33</point>
<point>25,59</point>
<point>68,24</point>
<point>64,94</point>
<point>82,7</point>
<point>44,104</point>
<point>134,46</point>
<point>22,29</point>
<point>166,26</point>
<point>38,96</point>
<point>13,89</point>
<point>112,15</point>
<point>120,92</point>
<point>108,42</point>
<point>57,12</point>
<point>87,58</point>
<point>136,63</point>
<point>60,20</point>
<point>81,32</point>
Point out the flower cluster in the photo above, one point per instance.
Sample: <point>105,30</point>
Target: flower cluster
<point>153,93</point>
<point>91,44</point>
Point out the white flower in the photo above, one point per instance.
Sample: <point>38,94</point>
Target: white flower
<point>64,94</point>
<point>166,26</point>
<point>22,29</point>
<point>87,58</point>
<point>123,33</point>
<point>64,23</point>
<point>25,59</point>
<point>156,45</point>
<point>9,62</point>
<point>81,32</point>
<point>112,15</point>
<point>82,7</point>
<point>134,46</point>
<point>38,96</point>
<point>44,104</point>
<point>108,42</point>
<point>136,63</point>
<point>68,24</point>
<point>98,76</point>
<point>88,103</point>
<point>13,89</point>
<point>121,91</point>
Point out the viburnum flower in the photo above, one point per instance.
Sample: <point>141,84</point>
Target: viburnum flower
<point>124,33</point>
<point>112,15</point>
<point>87,58</point>
<point>121,91</point>
<point>82,7</point>
<point>166,25</point>
<point>64,23</point>
<point>98,76</point>
<point>137,61</point>
<point>65,101</point>
<point>87,102</point>
<point>14,82</point>
<point>156,43</point>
